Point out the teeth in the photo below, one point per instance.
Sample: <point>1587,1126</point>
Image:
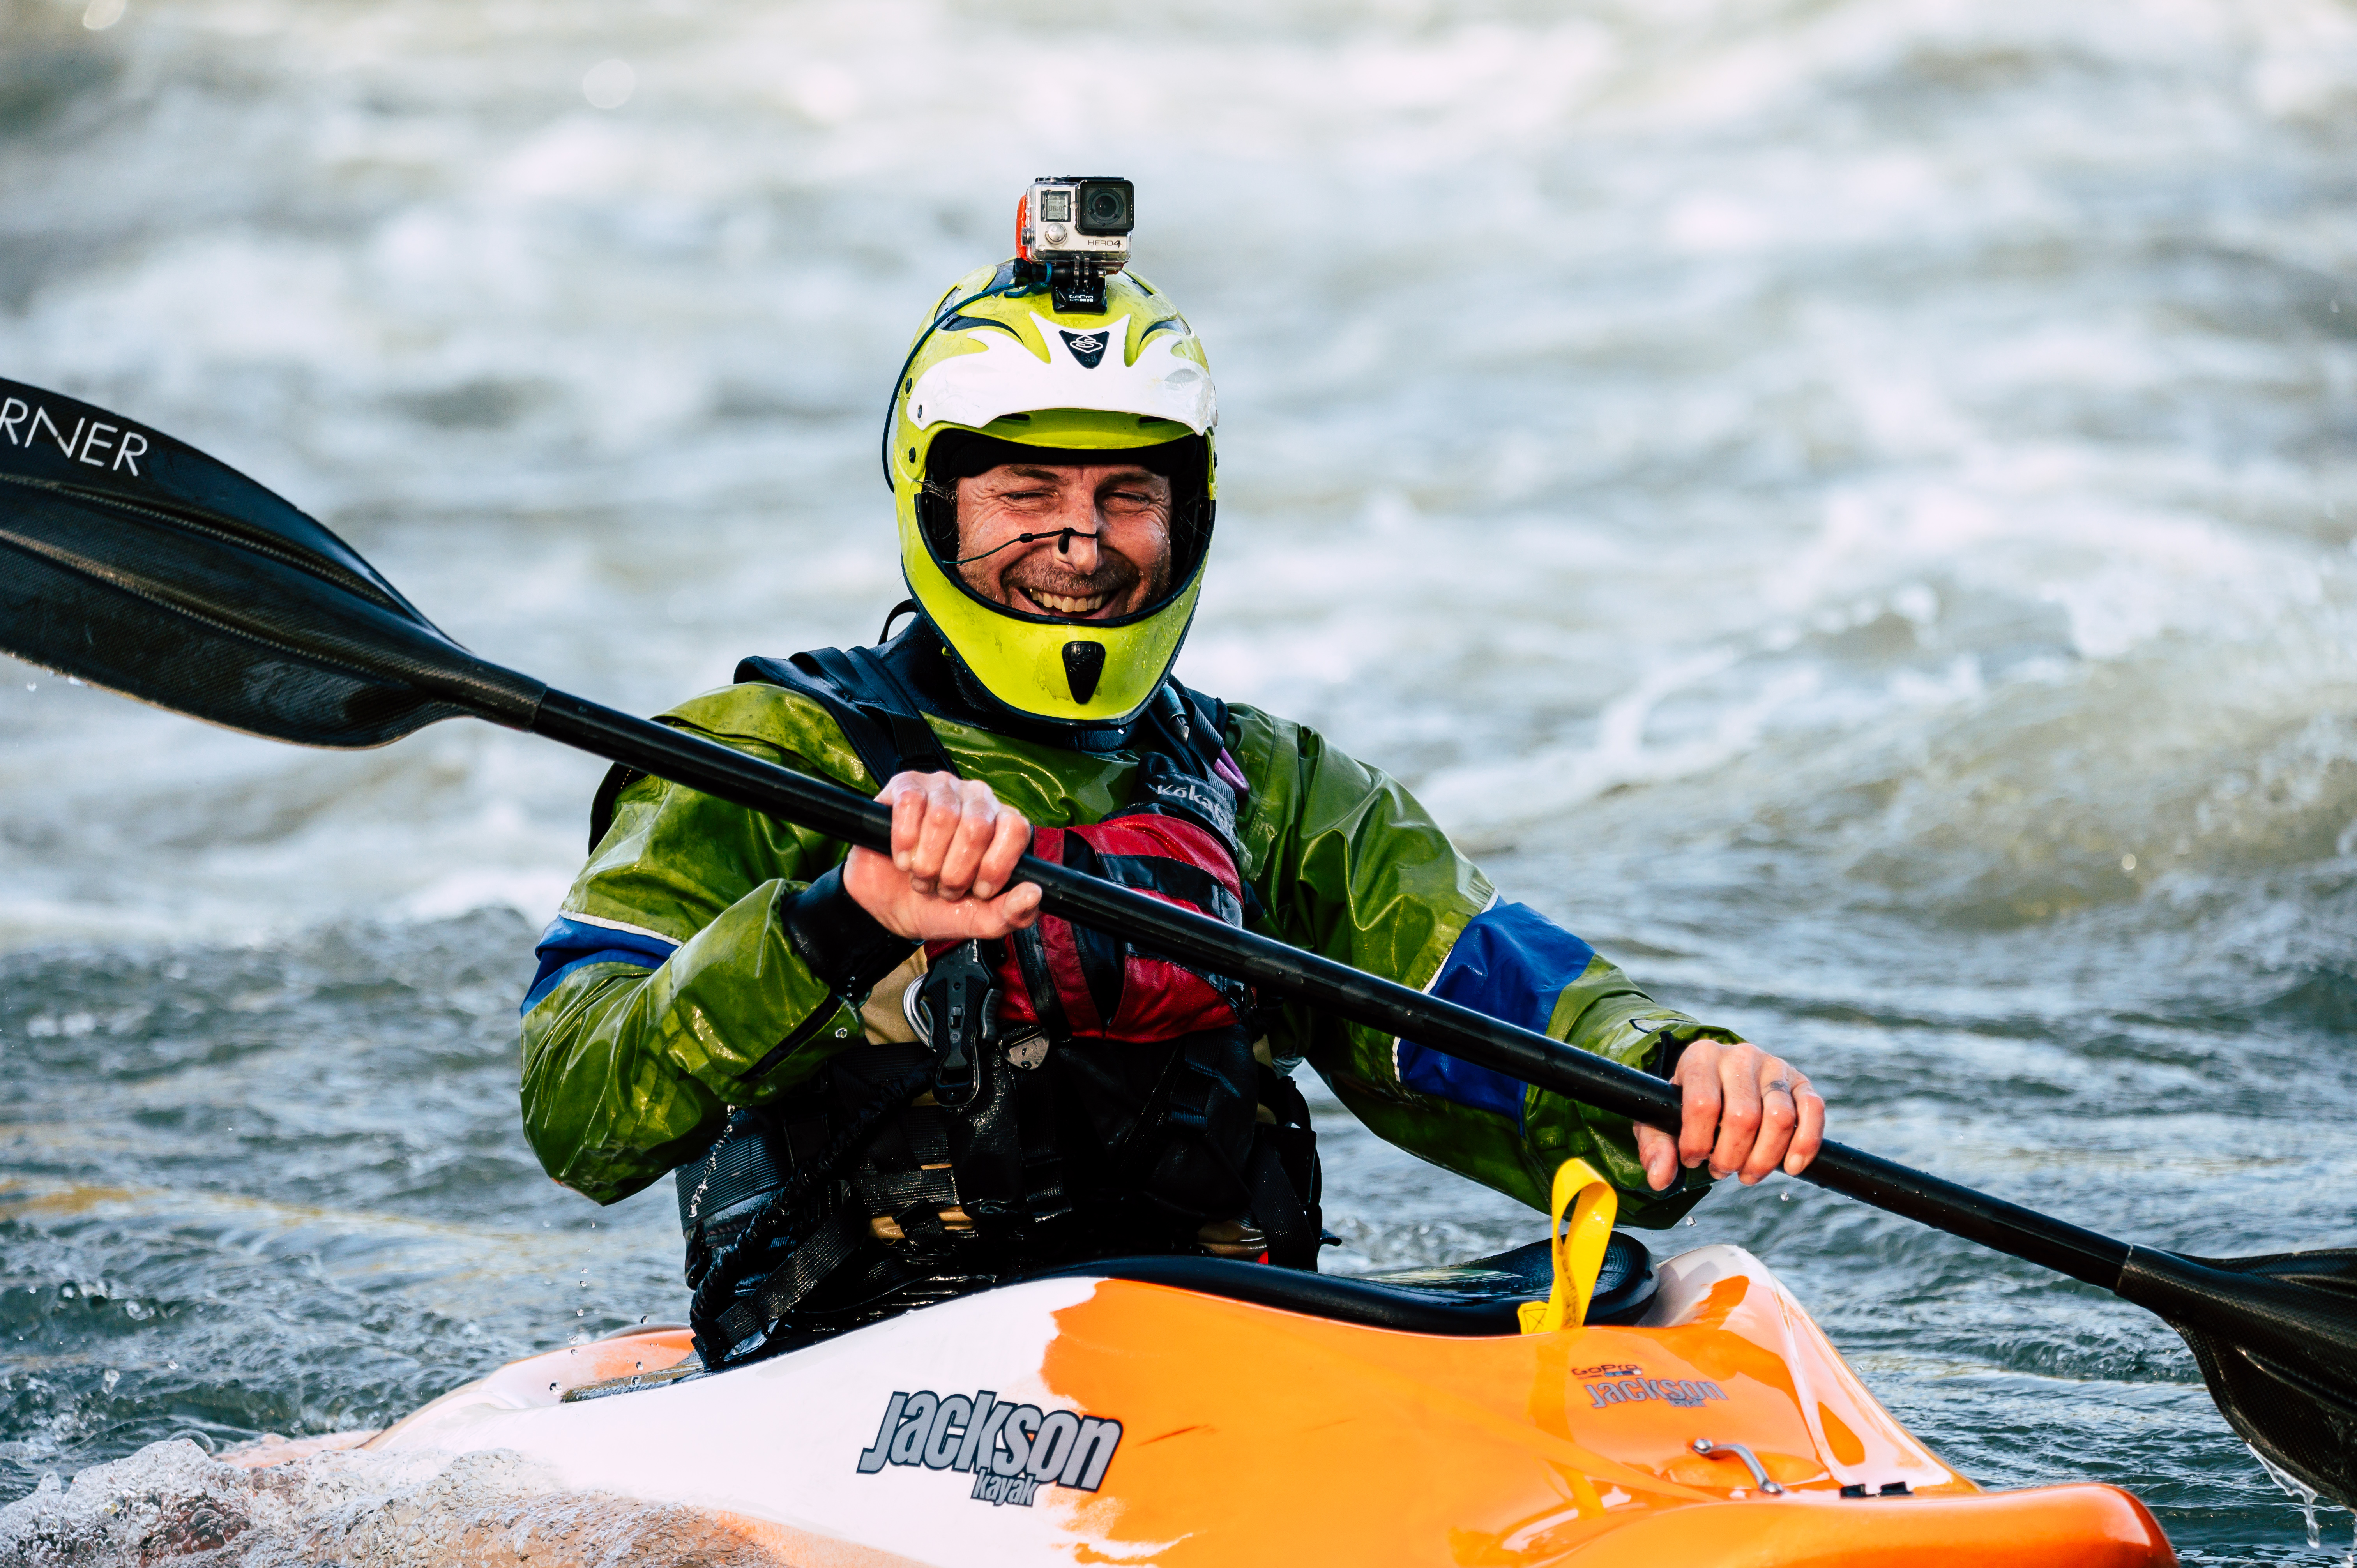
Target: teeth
<point>1065,605</point>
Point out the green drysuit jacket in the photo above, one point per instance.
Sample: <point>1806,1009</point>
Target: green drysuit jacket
<point>630,1070</point>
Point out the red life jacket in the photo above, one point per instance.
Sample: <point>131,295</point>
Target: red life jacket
<point>1074,982</point>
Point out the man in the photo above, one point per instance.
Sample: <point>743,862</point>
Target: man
<point>884,1080</point>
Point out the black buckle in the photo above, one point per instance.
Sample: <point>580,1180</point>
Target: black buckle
<point>955,1010</point>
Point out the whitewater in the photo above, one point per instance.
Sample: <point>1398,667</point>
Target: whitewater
<point>1848,506</point>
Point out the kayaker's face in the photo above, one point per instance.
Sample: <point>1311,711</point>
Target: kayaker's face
<point>1107,550</point>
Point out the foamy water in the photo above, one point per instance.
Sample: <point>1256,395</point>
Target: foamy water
<point>1847,505</point>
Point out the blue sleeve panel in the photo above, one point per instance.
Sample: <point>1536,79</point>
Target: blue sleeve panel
<point>569,943</point>
<point>1512,962</point>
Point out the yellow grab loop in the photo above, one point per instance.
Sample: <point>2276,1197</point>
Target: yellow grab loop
<point>1578,1249</point>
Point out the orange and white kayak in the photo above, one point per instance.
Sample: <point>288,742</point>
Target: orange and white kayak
<point>1184,1411</point>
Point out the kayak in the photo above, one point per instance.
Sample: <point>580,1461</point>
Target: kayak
<point>1202,1411</point>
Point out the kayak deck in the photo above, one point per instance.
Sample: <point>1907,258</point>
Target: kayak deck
<point>1143,1423</point>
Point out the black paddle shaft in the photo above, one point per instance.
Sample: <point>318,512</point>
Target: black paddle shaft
<point>1323,982</point>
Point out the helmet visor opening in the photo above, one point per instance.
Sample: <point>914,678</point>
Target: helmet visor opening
<point>958,455</point>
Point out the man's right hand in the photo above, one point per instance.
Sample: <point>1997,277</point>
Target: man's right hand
<point>954,849</point>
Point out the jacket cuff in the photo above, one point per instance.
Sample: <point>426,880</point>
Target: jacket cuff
<point>844,945</point>
<point>1669,1042</point>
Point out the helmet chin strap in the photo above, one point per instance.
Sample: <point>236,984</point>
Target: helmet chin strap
<point>1062,536</point>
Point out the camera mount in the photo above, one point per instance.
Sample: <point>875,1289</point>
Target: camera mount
<point>1075,287</point>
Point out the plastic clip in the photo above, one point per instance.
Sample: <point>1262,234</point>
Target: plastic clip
<point>954,1009</point>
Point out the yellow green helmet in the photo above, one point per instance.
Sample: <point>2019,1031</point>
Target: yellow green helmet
<point>996,360</point>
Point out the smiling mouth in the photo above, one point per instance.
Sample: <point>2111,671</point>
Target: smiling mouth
<point>1074,605</point>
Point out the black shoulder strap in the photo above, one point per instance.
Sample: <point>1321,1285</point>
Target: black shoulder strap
<point>875,709</point>
<point>877,713</point>
<point>1207,725</point>
<point>618,778</point>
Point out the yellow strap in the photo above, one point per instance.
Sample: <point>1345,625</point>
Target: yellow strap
<point>1578,1250</point>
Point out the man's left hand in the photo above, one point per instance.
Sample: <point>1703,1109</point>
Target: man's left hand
<point>1746,1112</point>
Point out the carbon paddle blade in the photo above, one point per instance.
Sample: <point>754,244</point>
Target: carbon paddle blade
<point>2275,1338</point>
<point>136,562</point>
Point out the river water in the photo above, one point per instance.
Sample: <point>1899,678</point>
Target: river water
<point>1847,503</point>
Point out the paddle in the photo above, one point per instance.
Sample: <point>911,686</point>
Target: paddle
<point>138,564</point>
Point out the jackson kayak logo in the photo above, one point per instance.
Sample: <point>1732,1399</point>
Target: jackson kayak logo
<point>1011,1450</point>
<point>1628,1385</point>
<point>90,441</point>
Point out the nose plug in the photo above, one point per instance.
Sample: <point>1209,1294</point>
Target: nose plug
<point>1062,536</point>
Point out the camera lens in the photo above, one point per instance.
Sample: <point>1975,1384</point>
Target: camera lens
<point>1104,207</point>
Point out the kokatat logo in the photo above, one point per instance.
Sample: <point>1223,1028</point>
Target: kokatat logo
<point>1193,793</point>
<point>1012,1449</point>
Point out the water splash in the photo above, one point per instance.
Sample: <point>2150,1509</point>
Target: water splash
<point>2303,1494</point>
<point>170,1501</point>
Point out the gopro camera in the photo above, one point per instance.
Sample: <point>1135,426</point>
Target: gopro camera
<point>1071,231</point>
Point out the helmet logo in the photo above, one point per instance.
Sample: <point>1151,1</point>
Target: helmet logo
<point>1083,664</point>
<point>1088,348</point>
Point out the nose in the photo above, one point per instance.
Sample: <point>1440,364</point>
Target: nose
<point>1078,549</point>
